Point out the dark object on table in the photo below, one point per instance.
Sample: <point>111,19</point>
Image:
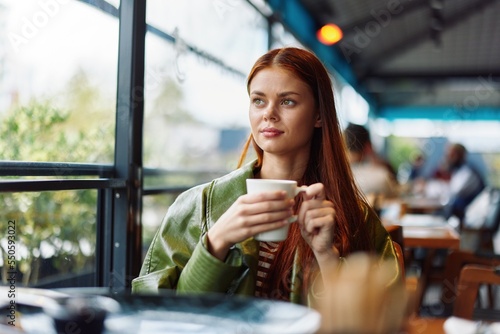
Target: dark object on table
<point>81,314</point>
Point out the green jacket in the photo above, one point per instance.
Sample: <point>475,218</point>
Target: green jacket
<point>178,258</point>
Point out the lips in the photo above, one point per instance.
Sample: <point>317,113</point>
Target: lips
<point>271,132</point>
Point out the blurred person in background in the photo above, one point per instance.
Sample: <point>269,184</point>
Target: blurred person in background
<point>417,168</point>
<point>374,175</point>
<point>464,182</point>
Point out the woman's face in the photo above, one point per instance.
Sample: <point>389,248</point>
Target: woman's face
<point>282,113</point>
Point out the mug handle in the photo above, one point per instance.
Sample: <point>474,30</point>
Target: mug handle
<point>298,190</point>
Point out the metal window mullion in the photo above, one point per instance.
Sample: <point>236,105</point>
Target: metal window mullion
<point>127,203</point>
<point>270,35</point>
<point>58,169</point>
<point>104,237</point>
<point>10,186</point>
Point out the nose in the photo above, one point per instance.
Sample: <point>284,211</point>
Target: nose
<point>270,113</point>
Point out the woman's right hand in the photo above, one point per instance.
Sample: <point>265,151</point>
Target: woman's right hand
<point>250,214</point>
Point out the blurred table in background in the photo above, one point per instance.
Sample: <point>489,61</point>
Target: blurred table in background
<point>420,204</point>
<point>426,233</point>
<point>420,325</point>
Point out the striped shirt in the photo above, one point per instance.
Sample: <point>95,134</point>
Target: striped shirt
<point>267,250</point>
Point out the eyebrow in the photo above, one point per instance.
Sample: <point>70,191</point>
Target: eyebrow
<point>282,94</point>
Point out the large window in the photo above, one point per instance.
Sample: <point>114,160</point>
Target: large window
<point>58,93</point>
<point>196,59</point>
<point>99,119</point>
<point>58,84</point>
<point>55,237</point>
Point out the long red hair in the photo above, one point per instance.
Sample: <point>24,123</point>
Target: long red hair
<point>327,164</point>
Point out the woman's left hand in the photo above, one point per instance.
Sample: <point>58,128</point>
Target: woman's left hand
<point>316,219</point>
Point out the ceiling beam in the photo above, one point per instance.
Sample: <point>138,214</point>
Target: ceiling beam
<point>406,7</point>
<point>412,41</point>
<point>321,11</point>
<point>444,113</point>
<point>433,76</point>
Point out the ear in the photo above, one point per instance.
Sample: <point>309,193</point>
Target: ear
<point>318,123</point>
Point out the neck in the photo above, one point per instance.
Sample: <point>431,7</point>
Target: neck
<point>282,169</point>
<point>355,157</point>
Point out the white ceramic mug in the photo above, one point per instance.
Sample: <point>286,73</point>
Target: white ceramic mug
<point>255,186</point>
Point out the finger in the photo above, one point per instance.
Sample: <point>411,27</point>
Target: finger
<point>269,206</point>
<point>252,225</point>
<point>267,218</point>
<point>311,205</point>
<point>319,218</point>
<point>315,191</point>
<point>263,196</point>
<point>316,203</point>
<point>320,212</point>
<point>268,227</point>
<point>320,221</point>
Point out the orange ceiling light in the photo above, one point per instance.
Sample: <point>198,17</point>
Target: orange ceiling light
<point>329,34</point>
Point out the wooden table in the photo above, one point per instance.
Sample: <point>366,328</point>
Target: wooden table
<point>426,231</point>
<point>432,233</point>
<point>431,237</point>
<point>421,205</point>
<point>420,325</point>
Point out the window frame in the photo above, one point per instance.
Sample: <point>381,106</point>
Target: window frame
<point>120,187</point>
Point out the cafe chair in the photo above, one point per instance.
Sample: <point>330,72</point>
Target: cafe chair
<point>396,233</point>
<point>481,221</point>
<point>455,262</point>
<point>410,282</point>
<point>472,278</point>
<point>400,258</point>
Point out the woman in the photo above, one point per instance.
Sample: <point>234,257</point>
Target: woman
<point>206,244</point>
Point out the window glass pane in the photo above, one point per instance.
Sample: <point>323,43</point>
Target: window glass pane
<point>196,104</point>
<point>230,30</point>
<point>282,38</point>
<point>155,207</point>
<point>49,238</point>
<point>196,101</point>
<point>58,70</point>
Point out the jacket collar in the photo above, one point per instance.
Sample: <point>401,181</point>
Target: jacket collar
<point>222,192</point>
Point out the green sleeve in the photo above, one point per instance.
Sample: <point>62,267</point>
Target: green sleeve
<point>206,273</point>
<point>172,245</point>
<point>178,258</point>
